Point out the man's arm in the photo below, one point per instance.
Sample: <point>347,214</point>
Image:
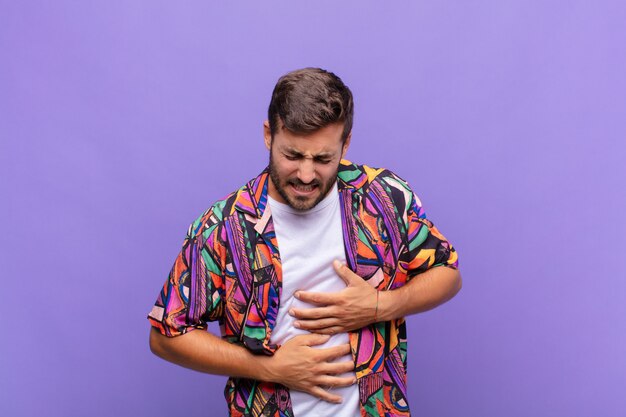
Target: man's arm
<point>360,304</point>
<point>297,364</point>
<point>422,293</point>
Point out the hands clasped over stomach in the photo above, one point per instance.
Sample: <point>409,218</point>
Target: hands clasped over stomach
<point>302,366</point>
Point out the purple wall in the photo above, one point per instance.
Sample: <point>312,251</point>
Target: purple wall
<point>120,122</point>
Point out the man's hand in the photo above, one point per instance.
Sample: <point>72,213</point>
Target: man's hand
<point>300,366</point>
<point>349,309</point>
<point>359,305</point>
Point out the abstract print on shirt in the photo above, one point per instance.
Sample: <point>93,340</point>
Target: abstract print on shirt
<point>229,270</point>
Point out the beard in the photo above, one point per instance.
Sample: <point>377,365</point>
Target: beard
<point>300,203</point>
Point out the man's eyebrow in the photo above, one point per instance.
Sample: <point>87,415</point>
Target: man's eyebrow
<point>292,151</point>
<point>321,155</point>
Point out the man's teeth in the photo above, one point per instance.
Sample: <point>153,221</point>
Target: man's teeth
<point>304,188</point>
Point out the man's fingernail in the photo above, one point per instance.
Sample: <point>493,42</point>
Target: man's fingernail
<point>337,263</point>
<point>296,324</point>
<point>297,294</point>
<point>292,312</point>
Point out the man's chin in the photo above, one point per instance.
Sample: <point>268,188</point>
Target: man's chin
<point>302,203</point>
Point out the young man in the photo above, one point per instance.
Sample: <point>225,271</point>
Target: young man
<point>309,268</point>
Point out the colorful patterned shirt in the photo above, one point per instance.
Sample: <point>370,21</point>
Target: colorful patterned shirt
<point>229,270</point>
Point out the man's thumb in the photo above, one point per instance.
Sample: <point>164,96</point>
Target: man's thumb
<point>343,271</point>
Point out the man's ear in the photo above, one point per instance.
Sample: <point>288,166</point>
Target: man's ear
<point>267,134</point>
<point>346,144</point>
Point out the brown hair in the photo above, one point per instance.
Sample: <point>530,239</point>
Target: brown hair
<point>309,99</point>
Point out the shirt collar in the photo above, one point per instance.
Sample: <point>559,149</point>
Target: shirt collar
<point>252,197</point>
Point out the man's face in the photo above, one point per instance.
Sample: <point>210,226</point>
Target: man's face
<point>303,167</point>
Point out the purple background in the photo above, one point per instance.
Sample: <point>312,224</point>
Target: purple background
<point>120,122</point>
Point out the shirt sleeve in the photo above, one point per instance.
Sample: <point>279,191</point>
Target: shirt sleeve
<point>426,246</point>
<point>192,293</point>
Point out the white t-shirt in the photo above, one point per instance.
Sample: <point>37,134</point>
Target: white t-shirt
<point>308,242</point>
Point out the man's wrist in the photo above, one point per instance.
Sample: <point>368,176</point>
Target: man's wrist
<point>263,369</point>
<point>376,320</point>
<point>387,306</point>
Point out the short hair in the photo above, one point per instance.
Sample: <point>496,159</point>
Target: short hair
<point>309,99</point>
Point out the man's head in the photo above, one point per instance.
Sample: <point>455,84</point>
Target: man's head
<point>309,99</point>
<point>307,134</point>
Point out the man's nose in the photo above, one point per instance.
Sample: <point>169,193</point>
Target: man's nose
<point>306,171</point>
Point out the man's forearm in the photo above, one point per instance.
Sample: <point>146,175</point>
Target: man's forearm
<point>299,364</point>
<point>423,292</point>
<point>204,352</point>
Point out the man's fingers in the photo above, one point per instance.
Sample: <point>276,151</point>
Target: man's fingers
<point>322,394</point>
<point>312,339</point>
<point>311,313</point>
<point>318,298</point>
<point>338,368</point>
<point>325,385</point>
<point>316,324</point>
<point>329,330</point>
<point>328,354</point>
<point>336,381</point>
